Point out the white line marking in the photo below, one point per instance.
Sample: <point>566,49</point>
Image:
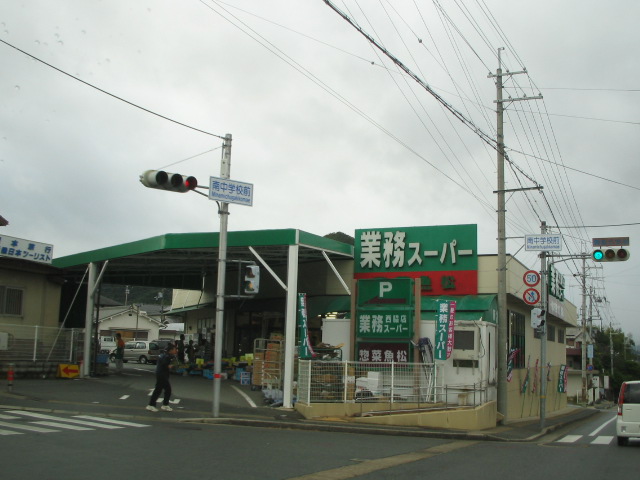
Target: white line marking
<point>111,420</point>
<point>124,397</point>
<point>570,439</point>
<point>7,417</point>
<point>9,432</point>
<point>61,425</point>
<point>27,427</point>
<point>175,401</point>
<point>69,420</point>
<point>597,430</point>
<point>246,397</point>
<point>602,440</point>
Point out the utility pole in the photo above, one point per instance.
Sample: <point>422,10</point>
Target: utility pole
<point>544,290</point>
<point>225,171</point>
<point>583,314</point>
<point>503,340</point>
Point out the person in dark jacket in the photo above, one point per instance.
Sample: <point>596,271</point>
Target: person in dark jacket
<point>163,368</point>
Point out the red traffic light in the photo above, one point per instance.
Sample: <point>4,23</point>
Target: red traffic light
<point>174,182</point>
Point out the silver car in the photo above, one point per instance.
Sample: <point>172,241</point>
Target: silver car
<point>134,350</point>
<point>628,420</point>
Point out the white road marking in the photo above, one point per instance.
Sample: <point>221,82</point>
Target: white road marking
<point>570,439</point>
<point>27,427</point>
<point>69,420</point>
<point>124,397</point>
<point>603,440</point>
<point>61,425</point>
<point>9,432</point>
<point>111,420</point>
<point>246,397</point>
<point>597,430</point>
<point>7,417</point>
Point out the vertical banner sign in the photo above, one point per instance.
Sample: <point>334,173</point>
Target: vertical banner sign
<point>452,324</point>
<point>525,383</point>
<point>305,350</point>
<point>510,360</point>
<point>562,379</point>
<point>445,322</point>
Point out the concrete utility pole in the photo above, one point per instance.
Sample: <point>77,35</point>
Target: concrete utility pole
<point>544,297</point>
<point>503,340</point>
<point>225,171</point>
<point>583,314</point>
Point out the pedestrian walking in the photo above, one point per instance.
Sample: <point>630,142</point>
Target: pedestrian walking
<point>163,368</point>
<point>119,355</point>
<point>181,349</point>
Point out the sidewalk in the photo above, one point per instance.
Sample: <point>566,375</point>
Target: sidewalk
<point>125,396</point>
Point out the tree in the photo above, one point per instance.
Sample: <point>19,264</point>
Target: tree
<point>625,361</point>
<point>340,237</point>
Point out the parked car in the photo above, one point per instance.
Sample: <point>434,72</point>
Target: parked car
<point>628,419</point>
<point>134,350</point>
<point>107,344</point>
<point>156,347</point>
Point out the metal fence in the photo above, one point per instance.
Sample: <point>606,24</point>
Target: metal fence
<point>397,384</point>
<point>39,347</point>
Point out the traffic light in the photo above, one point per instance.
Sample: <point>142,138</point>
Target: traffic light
<point>251,279</point>
<point>611,255</point>
<point>174,182</point>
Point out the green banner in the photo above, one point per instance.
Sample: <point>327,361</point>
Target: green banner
<point>562,379</point>
<point>305,350</point>
<point>445,323</point>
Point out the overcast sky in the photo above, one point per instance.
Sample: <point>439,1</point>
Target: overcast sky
<point>332,134</point>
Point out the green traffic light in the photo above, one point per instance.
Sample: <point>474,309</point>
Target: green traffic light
<point>598,255</point>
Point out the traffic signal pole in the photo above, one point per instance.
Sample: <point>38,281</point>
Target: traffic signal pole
<point>223,212</point>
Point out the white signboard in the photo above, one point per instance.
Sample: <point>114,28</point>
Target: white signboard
<point>230,191</point>
<point>548,242</point>
<point>25,249</point>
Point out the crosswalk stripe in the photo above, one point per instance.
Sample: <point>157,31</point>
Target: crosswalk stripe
<point>9,432</point>
<point>7,417</point>
<point>603,440</point>
<point>60,419</point>
<point>30,428</point>
<point>61,425</point>
<point>570,439</point>
<point>111,420</point>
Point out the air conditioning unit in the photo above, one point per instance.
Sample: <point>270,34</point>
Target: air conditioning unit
<point>466,343</point>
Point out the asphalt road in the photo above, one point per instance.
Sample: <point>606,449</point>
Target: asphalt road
<point>98,428</point>
<point>64,446</point>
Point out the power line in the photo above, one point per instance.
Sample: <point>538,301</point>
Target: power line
<point>108,93</point>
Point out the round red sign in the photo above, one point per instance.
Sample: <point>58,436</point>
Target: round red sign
<point>531,278</point>
<point>531,296</point>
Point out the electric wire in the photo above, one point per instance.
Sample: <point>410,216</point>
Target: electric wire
<point>109,93</point>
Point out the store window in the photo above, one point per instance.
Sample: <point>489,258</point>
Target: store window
<point>560,335</point>
<point>11,300</point>
<point>517,337</point>
<point>551,333</point>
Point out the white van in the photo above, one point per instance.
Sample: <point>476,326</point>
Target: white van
<point>628,419</point>
<point>107,344</point>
